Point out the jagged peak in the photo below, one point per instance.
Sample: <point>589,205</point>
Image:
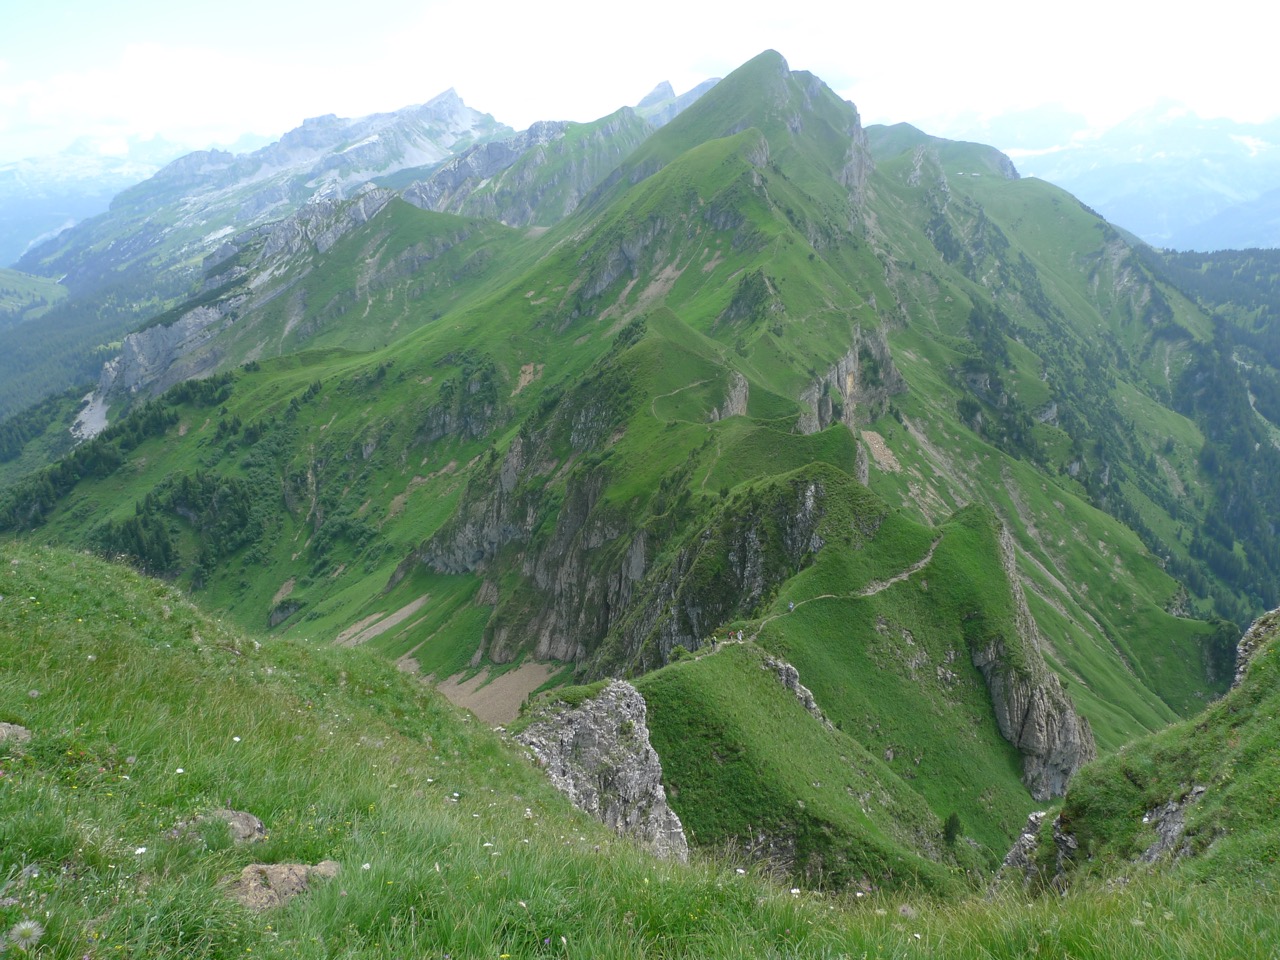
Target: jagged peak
<point>449,96</point>
<point>663,91</point>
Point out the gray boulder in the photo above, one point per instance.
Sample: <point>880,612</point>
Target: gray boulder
<point>598,753</point>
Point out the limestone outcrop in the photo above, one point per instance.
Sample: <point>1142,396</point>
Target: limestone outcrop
<point>1259,632</point>
<point>789,677</point>
<point>264,886</point>
<point>856,388</point>
<point>1032,709</point>
<point>599,755</point>
<point>1020,861</point>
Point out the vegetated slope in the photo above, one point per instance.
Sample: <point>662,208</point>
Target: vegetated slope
<point>536,178</point>
<point>1195,800</point>
<point>146,252</point>
<point>538,471</point>
<point>355,275</point>
<point>25,297</point>
<point>1232,390</point>
<point>145,715</point>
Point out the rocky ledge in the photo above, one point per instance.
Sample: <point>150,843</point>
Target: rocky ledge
<point>598,753</point>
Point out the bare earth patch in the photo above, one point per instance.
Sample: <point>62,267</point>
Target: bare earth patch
<point>375,625</point>
<point>880,451</point>
<point>286,588</point>
<point>528,373</point>
<point>497,702</point>
<point>262,886</point>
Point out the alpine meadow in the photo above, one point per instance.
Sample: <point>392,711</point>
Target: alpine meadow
<point>717,530</point>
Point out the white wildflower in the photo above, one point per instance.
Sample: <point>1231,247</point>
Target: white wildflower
<point>25,934</point>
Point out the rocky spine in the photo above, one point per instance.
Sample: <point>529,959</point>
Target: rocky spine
<point>1032,710</point>
<point>599,755</point>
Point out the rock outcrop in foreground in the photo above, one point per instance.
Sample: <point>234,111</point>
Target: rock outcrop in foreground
<point>1259,632</point>
<point>599,754</point>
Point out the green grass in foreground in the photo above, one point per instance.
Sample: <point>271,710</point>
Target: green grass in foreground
<point>145,713</point>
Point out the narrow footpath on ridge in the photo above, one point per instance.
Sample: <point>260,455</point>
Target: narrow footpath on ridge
<point>870,590</point>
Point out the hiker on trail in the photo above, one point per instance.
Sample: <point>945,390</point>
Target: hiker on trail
<point>791,606</point>
<point>739,636</point>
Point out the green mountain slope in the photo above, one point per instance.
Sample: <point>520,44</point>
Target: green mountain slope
<point>913,396</point>
<point>1191,801</point>
<point>145,714</point>
<point>536,179</point>
<point>146,253</point>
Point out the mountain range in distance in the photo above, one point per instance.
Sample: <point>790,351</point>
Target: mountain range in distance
<point>1174,179</point>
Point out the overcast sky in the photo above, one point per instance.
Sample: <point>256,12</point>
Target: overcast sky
<point>203,73</point>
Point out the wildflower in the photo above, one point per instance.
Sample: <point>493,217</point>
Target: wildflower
<point>366,866</point>
<point>26,934</point>
<point>235,739</point>
<point>740,871</point>
<point>179,770</point>
<point>140,851</point>
<point>795,891</point>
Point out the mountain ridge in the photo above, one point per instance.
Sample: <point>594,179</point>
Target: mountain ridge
<point>875,405</point>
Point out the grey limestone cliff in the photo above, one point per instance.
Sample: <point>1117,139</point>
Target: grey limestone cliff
<point>598,754</point>
<point>1032,709</point>
<point>155,358</point>
<point>1259,632</point>
<point>856,388</point>
<point>789,677</point>
<point>535,178</point>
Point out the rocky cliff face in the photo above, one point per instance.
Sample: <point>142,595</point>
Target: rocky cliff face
<point>537,177</point>
<point>321,223</point>
<point>721,572</point>
<point>789,677</point>
<point>592,589</point>
<point>662,105</point>
<point>152,360</point>
<point>1032,710</point>
<point>599,755</point>
<point>856,388</point>
<point>155,358</point>
<point>1259,632</point>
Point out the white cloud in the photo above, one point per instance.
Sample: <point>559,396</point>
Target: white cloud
<point>148,68</point>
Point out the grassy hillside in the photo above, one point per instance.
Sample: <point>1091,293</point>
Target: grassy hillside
<point>1218,768</point>
<point>145,714</point>
<point>752,371</point>
<point>25,297</point>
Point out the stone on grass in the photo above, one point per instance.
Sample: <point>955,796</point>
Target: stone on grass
<point>264,886</point>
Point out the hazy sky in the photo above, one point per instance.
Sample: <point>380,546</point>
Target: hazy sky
<point>209,72</point>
